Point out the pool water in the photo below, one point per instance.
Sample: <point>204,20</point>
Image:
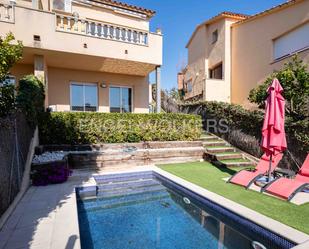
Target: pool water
<point>141,212</point>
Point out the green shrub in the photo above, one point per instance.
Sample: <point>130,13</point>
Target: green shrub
<point>294,78</point>
<point>7,99</point>
<point>30,97</point>
<point>93,128</point>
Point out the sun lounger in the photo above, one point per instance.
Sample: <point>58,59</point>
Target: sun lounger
<point>288,188</point>
<point>246,178</point>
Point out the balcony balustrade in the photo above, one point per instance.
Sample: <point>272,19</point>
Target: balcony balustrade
<point>76,25</point>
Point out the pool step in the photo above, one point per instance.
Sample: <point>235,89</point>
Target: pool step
<point>129,191</point>
<point>127,184</point>
<point>107,203</point>
<point>113,178</point>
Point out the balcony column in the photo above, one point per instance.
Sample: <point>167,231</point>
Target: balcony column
<point>158,89</point>
<point>40,71</point>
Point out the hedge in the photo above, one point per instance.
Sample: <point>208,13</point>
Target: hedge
<point>244,127</point>
<point>94,128</point>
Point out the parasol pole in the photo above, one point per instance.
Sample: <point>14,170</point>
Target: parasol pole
<point>269,170</point>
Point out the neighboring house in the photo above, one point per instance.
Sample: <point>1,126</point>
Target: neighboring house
<point>92,55</point>
<point>231,53</point>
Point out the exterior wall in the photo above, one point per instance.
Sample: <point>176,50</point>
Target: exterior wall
<point>20,70</point>
<point>59,88</point>
<point>252,48</point>
<point>195,71</point>
<point>217,90</point>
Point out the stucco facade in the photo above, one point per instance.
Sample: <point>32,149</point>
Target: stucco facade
<point>103,43</point>
<point>245,47</point>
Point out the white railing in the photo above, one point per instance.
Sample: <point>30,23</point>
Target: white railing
<point>6,12</point>
<point>76,25</point>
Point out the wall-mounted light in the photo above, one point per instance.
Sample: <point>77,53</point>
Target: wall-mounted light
<point>103,85</point>
<point>85,45</point>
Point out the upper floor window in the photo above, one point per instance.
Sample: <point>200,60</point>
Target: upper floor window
<point>291,42</point>
<point>215,36</point>
<point>64,5</point>
<point>84,97</point>
<point>216,72</point>
<point>189,86</point>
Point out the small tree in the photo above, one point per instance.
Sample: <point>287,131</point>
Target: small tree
<point>10,53</point>
<point>30,97</point>
<point>294,78</point>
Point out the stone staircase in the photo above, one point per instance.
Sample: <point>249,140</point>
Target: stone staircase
<point>221,153</point>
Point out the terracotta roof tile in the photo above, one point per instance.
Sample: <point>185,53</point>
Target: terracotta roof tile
<point>119,4</point>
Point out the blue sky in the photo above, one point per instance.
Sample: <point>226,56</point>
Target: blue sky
<point>178,19</point>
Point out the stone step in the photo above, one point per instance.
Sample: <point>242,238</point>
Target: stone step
<point>210,143</point>
<point>207,137</point>
<point>228,155</point>
<point>220,149</point>
<point>237,163</point>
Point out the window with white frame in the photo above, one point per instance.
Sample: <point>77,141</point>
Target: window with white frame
<point>294,41</point>
<point>64,5</point>
<point>84,97</point>
<point>120,99</point>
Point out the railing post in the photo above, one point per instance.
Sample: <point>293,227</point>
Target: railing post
<point>7,15</point>
<point>75,24</point>
<point>108,33</point>
<point>95,29</point>
<point>126,37</point>
<point>83,28</point>
<point>68,23</point>
<point>88,28</point>
<point>61,22</point>
<point>114,32</point>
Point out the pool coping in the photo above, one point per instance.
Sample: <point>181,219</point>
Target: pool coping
<point>274,226</point>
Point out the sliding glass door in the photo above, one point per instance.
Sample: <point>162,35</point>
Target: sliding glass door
<point>84,97</point>
<point>120,99</point>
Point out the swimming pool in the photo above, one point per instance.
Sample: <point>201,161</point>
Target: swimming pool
<point>146,210</point>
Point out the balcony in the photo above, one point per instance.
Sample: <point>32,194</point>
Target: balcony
<point>81,44</point>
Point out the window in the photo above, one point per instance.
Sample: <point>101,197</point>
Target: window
<point>215,36</point>
<point>120,99</point>
<point>84,97</point>
<point>292,42</point>
<point>189,86</point>
<point>216,72</point>
<point>64,5</point>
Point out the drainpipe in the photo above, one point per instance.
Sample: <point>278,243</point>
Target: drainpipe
<point>158,89</point>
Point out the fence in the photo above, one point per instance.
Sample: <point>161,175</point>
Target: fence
<point>15,138</point>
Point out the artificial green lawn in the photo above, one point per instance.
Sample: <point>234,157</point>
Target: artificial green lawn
<point>210,177</point>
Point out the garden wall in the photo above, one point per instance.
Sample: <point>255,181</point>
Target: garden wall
<point>13,153</point>
<point>96,128</point>
<point>244,129</point>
